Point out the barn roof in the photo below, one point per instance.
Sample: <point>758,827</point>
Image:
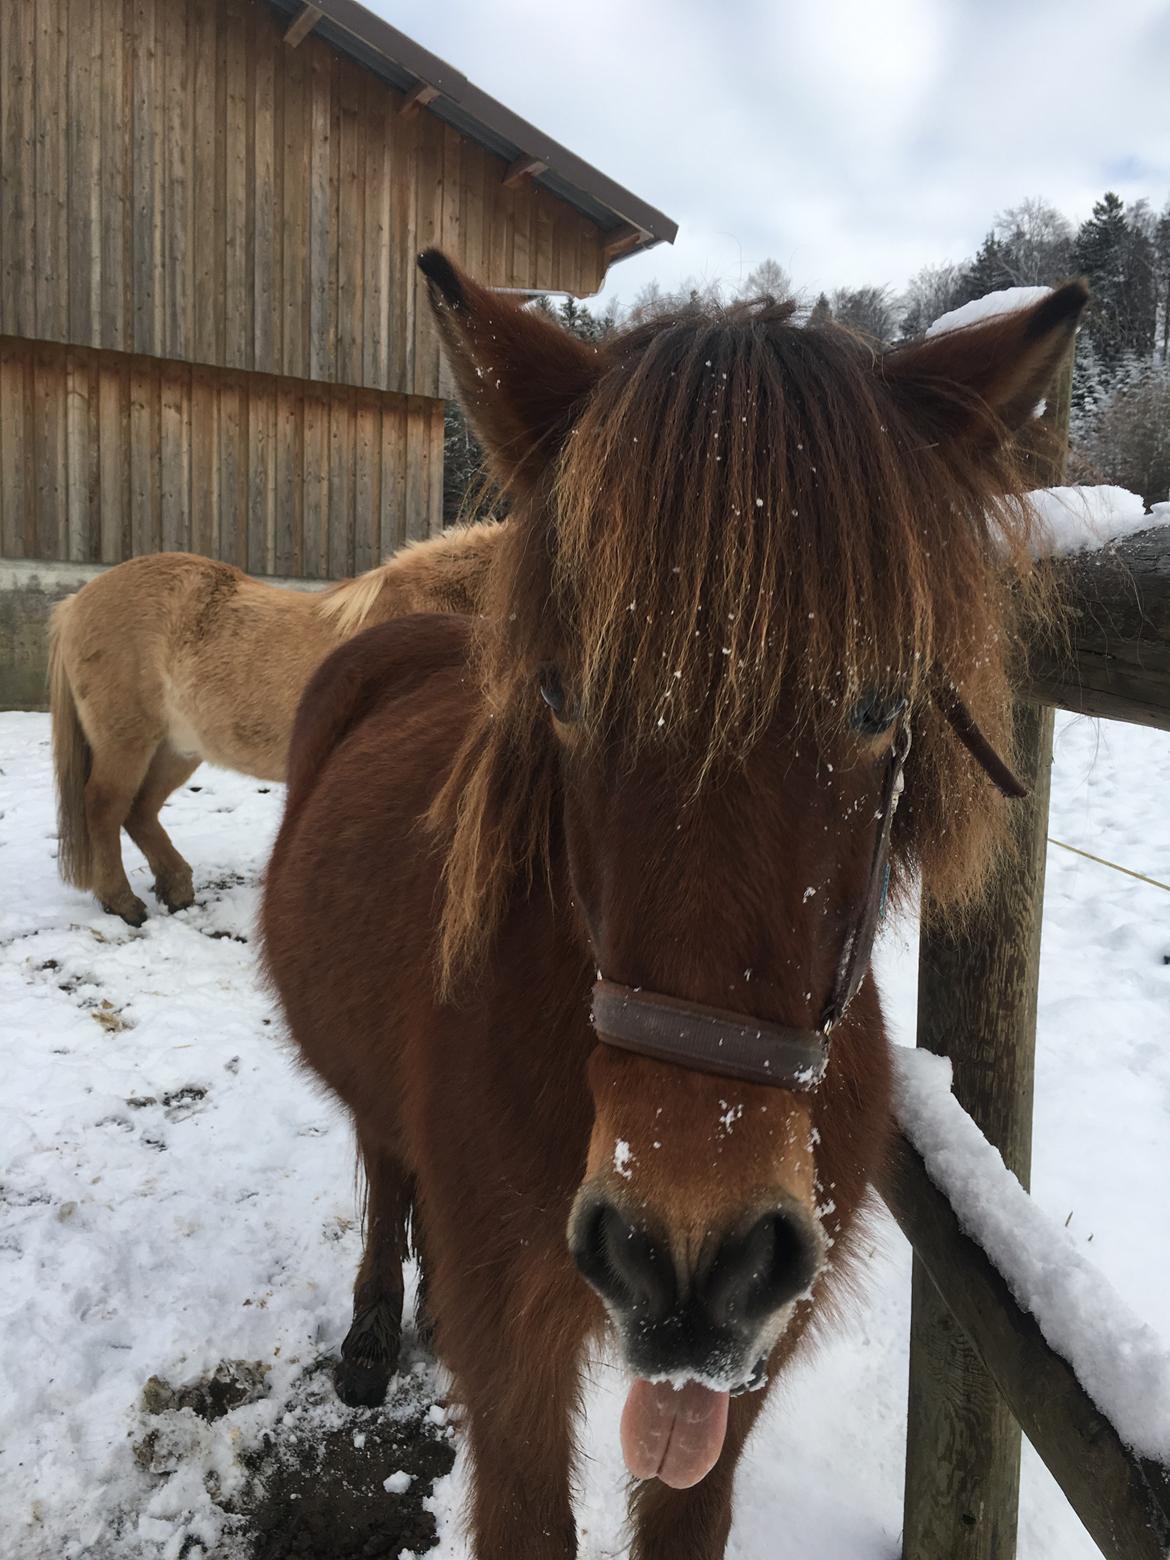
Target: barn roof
<point>630,225</point>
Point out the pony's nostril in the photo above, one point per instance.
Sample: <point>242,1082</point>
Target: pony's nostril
<point>756,1273</point>
<point>623,1263</point>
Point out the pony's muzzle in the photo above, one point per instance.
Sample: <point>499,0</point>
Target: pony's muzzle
<point>706,1315</point>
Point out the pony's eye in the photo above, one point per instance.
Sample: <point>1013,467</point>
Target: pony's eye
<point>876,711</point>
<point>552,690</point>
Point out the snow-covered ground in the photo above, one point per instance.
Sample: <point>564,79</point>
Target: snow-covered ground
<point>174,1193</point>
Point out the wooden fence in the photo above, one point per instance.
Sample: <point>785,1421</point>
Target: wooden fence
<point>979,1366</point>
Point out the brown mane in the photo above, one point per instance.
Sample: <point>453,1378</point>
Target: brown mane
<point>745,509</point>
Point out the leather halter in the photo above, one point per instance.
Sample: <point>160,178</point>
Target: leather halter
<point>732,1045</point>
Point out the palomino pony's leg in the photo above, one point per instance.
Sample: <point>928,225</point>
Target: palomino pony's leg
<point>172,875</point>
<point>114,779</point>
<point>369,1355</point>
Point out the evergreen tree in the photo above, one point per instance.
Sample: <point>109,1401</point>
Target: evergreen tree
<point>1117,258</point>
<point>822,311</point>
<point>987,273</point>
<point>868,310</point>
<point>1161,242</point>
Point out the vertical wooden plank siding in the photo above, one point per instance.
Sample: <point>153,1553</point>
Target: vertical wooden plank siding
<point>350,222</point>
<point>293,216</point>
<point>207,272</point>
<point>375,193</point>
<point>237,304</point>
<point>176,181</point>
<point>320,230</point>
<point>113,412</point>
<point>146,282</point>
<point>51,267</point>
<point>205,493</point>
<point>104,455</point>
<point>290,458</point>
<point>17,506</point>
<point>264,251</point>
<point>315,483</point>
<point>392,510</point>
<point>177,202</point>
<point>174,457</point>
<point>211,220</point>
<point>82,171</point>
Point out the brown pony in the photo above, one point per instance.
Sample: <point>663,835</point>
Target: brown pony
<point>172,659</point>
<point>746,562</point>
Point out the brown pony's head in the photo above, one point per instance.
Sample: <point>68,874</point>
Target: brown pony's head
<point>744,556</point>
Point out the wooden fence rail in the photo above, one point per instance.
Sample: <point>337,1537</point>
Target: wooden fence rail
<point>1123,1500</point>
<point>1117,660</point>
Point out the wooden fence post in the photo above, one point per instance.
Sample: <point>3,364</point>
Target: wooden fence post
<point>977,987</point>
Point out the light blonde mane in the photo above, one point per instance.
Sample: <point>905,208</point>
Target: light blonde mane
<point>348,605</point>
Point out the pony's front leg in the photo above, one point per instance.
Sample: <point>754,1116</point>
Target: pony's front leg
<point>693,1524</point>
<point>369,1355</point>
<point>521,1399</point>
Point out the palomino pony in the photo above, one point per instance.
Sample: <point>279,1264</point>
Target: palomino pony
<point>747,563</point>
<point>169,660</point>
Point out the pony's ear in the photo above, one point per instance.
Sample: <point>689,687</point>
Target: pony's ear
<point>980,380</point>
<point>520,376</point>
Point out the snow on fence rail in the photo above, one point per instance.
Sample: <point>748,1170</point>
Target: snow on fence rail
<point>975,1385</point>
<point>1119,1359</point>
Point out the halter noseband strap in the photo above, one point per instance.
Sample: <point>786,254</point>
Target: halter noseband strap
<point>711,1040</point>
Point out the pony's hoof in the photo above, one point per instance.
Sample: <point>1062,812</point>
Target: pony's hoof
<point>134,914</point>
<point>361,1386</point>
<point>175,896</point>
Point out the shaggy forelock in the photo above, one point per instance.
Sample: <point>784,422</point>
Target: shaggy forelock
<point>744,518</point>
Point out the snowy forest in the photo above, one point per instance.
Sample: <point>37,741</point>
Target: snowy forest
<point>1121,394</point>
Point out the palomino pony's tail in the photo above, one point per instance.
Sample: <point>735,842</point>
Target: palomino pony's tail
<point>71,761</point>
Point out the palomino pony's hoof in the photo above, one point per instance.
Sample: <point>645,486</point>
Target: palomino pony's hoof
<point>134,914</point>
<point>175,898</point>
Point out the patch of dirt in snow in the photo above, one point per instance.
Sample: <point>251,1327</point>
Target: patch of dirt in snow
<point>317,1492</point>
<point>314,1484</point>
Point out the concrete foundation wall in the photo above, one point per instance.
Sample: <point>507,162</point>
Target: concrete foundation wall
<point>28,592</point>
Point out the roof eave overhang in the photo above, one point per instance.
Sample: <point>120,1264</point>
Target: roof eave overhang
<point>629,226</point>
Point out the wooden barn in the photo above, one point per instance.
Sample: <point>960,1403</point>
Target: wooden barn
<point>211,333</point>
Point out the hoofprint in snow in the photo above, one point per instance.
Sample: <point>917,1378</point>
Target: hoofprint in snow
<point>176,1194</point>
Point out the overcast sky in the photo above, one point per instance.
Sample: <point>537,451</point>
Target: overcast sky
<point>851,140</point>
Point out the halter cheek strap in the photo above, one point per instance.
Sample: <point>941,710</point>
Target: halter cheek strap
<point>669,1029</point>
<point>711,1040</point>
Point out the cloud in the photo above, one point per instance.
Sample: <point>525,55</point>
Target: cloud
<point>852,142</point>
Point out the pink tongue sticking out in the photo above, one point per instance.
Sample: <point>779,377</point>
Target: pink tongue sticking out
<point>673,1436</point>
